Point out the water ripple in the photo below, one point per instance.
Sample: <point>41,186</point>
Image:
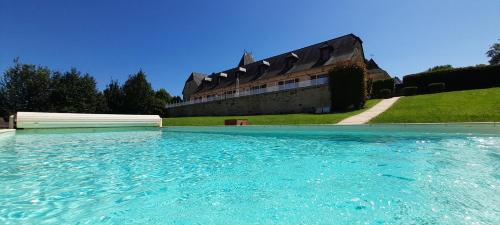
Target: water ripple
<point>260,177</point>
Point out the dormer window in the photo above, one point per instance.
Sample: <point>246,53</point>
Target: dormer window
<point>219,76</point>
<point>293,56</point>
<point>239,71</point>
<point>290,60</point>
<point>325,52</point>
<point>264,66</point>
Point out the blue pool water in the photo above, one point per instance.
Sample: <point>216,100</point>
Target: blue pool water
<point>252,175</point>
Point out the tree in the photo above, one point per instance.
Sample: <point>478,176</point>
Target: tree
<point>439,68</point>
<point>101,106</point>
<point>24,87</point>
<point>136,96</point>
<point>163,96</point>
<point>139,96</point>
<point>114,97</point>
<point>494,54</point>
<point>176,99</point>
<point>72,92</point>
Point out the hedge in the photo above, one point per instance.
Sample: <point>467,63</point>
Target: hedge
<point>436,87</point>
<point>456,79</point>
<point>348,86</point>
<point>407,91</point>
<point>398,88</point>
<point>379,85</point>
<point>385,93</point>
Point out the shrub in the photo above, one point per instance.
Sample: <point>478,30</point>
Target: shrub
<point>378,85</point>
<point>385,93</point>
<point>407,91</point>
<point>436,87</point>
<point>457,79</point>
<point>348,86</point>
<point>397,89</point>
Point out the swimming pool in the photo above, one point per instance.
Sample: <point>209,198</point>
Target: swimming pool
<point>252,175</point>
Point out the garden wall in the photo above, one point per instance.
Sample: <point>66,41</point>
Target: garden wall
<point>301,100</point>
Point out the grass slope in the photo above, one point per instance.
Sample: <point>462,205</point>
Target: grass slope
<point>284,119</point>
<point>481,105</point>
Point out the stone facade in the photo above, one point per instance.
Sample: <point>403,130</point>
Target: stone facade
<point>302,100</point>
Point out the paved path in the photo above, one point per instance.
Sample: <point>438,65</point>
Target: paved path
<point>369,114</point>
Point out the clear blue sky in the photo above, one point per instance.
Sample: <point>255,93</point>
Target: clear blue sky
<point>170,39</point>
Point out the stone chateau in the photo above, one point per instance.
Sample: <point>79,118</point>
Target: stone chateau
<point>293,82</point>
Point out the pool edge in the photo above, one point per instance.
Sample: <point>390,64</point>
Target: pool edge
<point>5,131</point>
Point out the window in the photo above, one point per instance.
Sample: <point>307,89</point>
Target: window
<point>288,84</point>
<point>229,93</point>
<point>291,81</point>
<point>198,99</point>
<point>258,89</point>
<point>211,97</point>
<point>319,79</point>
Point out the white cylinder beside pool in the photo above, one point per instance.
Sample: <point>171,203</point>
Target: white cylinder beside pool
<point>33,120</point>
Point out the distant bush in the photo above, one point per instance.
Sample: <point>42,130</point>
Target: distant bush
<point>436,87</point>
<point>456,79</point>
<point>407,91</point>
<point>441,67</point>
<point>385,93</point>
<point>348,86</point>
<point>378,85</point>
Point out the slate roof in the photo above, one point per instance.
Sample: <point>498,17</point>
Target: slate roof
<point>371,64</point>
<point>343,48</point>
<point>397,80</point>
<point>375,72</point>
<point>197,77</point>
<point>246,59</point>
<point>378,74</point>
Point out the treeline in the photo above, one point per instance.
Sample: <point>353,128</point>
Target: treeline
<point>27,87</point>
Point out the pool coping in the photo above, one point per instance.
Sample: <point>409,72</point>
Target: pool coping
<point>494,124</point>
<point>6,131</point>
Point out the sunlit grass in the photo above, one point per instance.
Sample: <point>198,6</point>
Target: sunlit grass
<point>284,119</point>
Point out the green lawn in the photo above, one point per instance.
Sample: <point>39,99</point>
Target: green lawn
<point>285,119</point>
<point>482,105</point>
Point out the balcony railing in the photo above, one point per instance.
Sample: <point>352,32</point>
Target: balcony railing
<point>276,88</point>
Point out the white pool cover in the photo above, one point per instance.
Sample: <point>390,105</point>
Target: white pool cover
<point>75,120</point>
